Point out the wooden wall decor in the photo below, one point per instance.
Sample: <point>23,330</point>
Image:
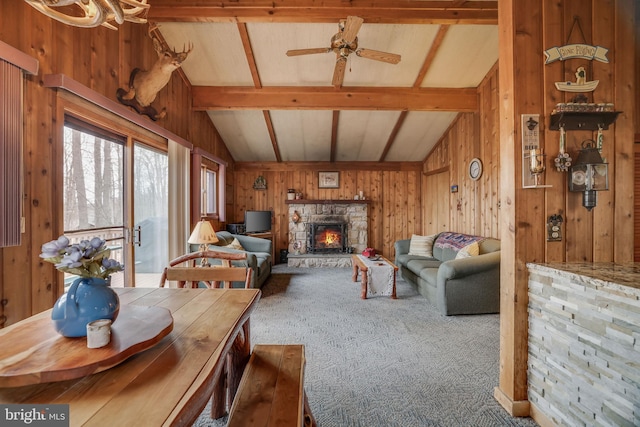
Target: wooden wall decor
<point>144,85</point>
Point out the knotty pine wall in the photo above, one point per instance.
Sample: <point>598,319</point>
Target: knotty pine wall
<point>393,189</point>
<point>474,208</point>
<point>102,60</point>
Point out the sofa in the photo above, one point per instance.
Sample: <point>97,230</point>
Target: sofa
<point>465,283</point>
<point>258,255</point>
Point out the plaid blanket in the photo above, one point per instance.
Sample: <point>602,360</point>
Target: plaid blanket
<point>455,241</point>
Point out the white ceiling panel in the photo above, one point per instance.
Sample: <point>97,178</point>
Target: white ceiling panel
<point>420,132</point>
<point>466,55</point>
<point>303,135</point>
<point>362,135</point>
<point>463,59</point>
<point>245,133</point>
<point>271,42</point>
<point>412,42</point>
<point>217,58</point>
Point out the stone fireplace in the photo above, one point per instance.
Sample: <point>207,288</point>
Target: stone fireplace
<point>327,232</point>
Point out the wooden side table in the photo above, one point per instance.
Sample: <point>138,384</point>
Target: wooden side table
<point>359,265</point>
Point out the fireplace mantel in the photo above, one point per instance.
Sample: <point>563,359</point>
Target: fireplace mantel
<point>327,202</point>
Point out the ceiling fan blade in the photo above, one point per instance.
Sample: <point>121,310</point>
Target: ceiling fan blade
<point>351,28</point>
<point>391,58</point>
<point>298,52</point>
<point>338,71</point>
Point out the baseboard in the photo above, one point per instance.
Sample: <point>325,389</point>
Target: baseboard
<point>519,408</point>
<point>540,418</point>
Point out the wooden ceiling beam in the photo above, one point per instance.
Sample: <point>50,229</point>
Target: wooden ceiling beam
<point>330,98</point>
<point>372,11</point>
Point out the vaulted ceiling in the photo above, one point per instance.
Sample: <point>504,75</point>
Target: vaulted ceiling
<point>268,106</point>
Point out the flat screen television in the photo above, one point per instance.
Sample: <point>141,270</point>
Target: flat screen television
<point>257,221</point>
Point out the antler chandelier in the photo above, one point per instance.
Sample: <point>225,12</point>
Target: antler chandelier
<point>92,13</point>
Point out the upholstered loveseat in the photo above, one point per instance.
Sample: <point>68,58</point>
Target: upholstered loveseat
<point>465,283</point>
<point>258,255</point>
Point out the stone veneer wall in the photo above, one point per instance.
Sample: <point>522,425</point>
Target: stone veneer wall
<point>584,346</point>
<point>356,215</point>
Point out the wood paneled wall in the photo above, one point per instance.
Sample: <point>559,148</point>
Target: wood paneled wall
<point>394,191</point>
<point>474,208</point>
<point>527,87</point>
<point>100,59</point>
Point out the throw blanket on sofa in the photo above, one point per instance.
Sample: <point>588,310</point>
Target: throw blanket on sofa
<point>380,276</point>
<point>455,241</point>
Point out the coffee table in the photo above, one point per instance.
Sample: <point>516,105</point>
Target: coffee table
<point>359,265</point>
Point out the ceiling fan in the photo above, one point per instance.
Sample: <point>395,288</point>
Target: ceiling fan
<point>343,43</point>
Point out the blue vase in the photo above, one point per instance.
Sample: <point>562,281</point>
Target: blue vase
<point>88,299</point>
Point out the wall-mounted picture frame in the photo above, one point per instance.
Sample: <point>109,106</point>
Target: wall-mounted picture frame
<point>329,179</point>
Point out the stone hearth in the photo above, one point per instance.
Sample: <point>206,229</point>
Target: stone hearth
<point>353,213</point>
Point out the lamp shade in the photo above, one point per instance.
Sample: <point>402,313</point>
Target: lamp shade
<point>203,234</point>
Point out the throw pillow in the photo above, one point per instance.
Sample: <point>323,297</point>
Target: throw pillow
<point>422,245</point>
<point>235,244</point>
<point>470,250</point>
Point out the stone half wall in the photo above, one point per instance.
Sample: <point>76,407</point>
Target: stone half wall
<point>356,215</point>
<point>584,347</point>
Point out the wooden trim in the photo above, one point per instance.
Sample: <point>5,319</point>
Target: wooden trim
<point>272,134</point>
<point>437,42</point>
<point>18,58</point>
<point>518,408</point>
<point>393,135</point>
<point>334,135</point>
<point>248,52</point>
<point>539,417</point>
<point>330,98</point>
<point>206,154</point>
<point>436,171</point>
<point>319,166</point>
<point>61,81</point>
<point>328,202</point>
<point>377,11</point>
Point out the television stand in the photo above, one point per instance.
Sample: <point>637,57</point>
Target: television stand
<point>269,236</point>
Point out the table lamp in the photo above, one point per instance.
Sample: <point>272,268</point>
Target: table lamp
<point>203,235</point>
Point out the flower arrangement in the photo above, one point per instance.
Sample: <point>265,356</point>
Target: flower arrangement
<point>89,258</point>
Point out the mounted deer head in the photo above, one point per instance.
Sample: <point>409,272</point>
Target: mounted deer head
<point>92,13</point>
<point>145,85</point>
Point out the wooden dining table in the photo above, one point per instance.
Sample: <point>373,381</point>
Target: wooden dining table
<point>167,384</point>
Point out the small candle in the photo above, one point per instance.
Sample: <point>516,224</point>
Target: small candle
<point>98,333</point>
<point>535,162</point>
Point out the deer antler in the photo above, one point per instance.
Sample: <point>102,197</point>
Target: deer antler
<point>96,12</point>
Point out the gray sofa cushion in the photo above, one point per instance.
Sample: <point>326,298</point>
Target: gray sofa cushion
<point>417,265</point>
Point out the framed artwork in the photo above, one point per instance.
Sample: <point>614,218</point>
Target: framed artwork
<point>328,179</point>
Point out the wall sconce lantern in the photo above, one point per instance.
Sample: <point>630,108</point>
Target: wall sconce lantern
<point>589,173</point>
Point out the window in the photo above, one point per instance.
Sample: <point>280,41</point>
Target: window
<point>207,186</point>
<point>209,180</point>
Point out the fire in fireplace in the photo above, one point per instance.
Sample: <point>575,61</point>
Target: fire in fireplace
<point>327,238</point>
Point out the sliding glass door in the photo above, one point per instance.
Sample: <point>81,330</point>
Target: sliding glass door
<point>117,190</point>
<point>151,214</point>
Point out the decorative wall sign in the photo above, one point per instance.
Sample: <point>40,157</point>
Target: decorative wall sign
<point>581,84</point>
<point>581,51</point>
<point>532,156</point>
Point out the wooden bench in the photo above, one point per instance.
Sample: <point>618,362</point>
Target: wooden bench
<point>271,391</point>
